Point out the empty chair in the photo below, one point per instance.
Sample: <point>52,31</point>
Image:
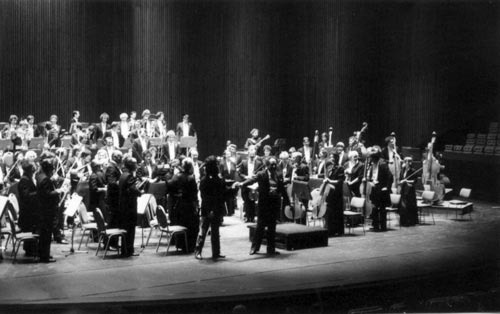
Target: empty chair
<point>457,204</point>
<point>169,231</point>
<point>88,227</point>
<point>395,199</point>
<point>425,205</point>
<point>354,216</point>
<point>20,237</point>
<point>108,234</point>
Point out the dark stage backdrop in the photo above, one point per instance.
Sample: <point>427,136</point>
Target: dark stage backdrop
<point>286,67</point>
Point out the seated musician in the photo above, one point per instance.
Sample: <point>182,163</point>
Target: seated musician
<point>357,146</point>
<point>53,139</point>
<point>109,145</point>
<point>354,170</point>
<point>11,128</point>
<point>33,129</point>
<point>170,149</point>
<point>78,137</point>
<point>140,145</point>
<point>247,170</point>
<point>267,153</point>
<point>115,134</point>
<point>102,157</point>
<point>101,128</point>
<point>228,173</point>
<point>8,169</point>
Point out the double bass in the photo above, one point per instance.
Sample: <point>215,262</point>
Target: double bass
<point>430,171</point>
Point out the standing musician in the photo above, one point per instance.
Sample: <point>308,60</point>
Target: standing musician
<point>271,193</point>
<point>112,175</point>
<point>21,137</point>
<point>198,170</point>
<point>391,156</point>
<point>324,141</point>
<point>128,193</point>
<point>228,173</point>
<point>267,152</point>
<point>124,127</point>
<point>102,127</point>
<point>285,167</point>
<point>33,130</point>
<point>254,140</point>
<point>78,137</point>
<point>116,136</point>
<point>147,124</point>
<point>342,156</point>
<point>73,121</point>
<point>306,151</point>
<point>380,177</point>
<point>185,128</point>
<point>97,189</point>
<point>48,198</point>
<point>324,164</point>
<point>160,127</point>
<point>354,170</point>
<point>185,198</point>
<point>147,170</point>
<point>408,211</point>
<point>301,173</point>
<point>140,145</point>
<point>170,149</point>
<point>334,216</point>
<point>212,188</point>
<point>29,215</point>
<point>247,170</point>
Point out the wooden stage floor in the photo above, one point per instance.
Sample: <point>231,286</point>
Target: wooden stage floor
<point>87,282</point>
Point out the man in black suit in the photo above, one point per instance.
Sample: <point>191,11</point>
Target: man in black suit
<point>306,151</point>
<point>185,128</point>
<point>354,170</point>
<point>380,177</point>
<point>29,215</point>
<point>342,156</point>
<point>112,175</point>
<point>271,192</point>
<point>101,128</point>
<point>140,145</point>
<point>97,189</point>
<point>128,204</point>
<point>170,149</point>
<point>115,135</point>
<point>228,173</point>
<point>48,198</point>
<point>248,170</point>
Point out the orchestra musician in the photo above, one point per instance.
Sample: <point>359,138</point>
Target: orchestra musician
<point>185,199</point>
<point>140,145</point>
<point>160,127</point>
<point>285,167</point>
<point>228,173</point>
<point>198,170</point>
<point>33,130</point>
<point>185,127</point>
<point>10,128</point>
<point>112,175</point>
<point>380,177</point>
<point>97,189</point>
<point>247,169</point>
<point>128,194</point>
<point>324,163</point>
<point>306,151</point>
<point>267,152</point>
<point>253,140</point>
<point>170,149</point>
<point>124,127</point>
<point>271,193</point>
<point>147,124</point>
<point>147,170</point>
<point>115,135</point>
<point>334,216</point>
<point>102,127</point>
<point>212,189</point>
<point>78,137</point>
<point>354,170</point>
<point>29,215</point>
<point>324,141</point>
<point>48,199</point>
<point>391,156</point>
<point>73,121</point>
<point>109,145</point>
<point>408,211</point>
<point>342,156</point>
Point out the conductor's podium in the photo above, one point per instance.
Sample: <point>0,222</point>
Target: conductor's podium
<point>291,236</point>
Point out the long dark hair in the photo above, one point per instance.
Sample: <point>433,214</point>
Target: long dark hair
<point>211,166</point>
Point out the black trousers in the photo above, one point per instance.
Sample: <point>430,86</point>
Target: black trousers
<point>212,222</point>
<point>46,226</point>
<point>248,205</point>
<point>268,214</point>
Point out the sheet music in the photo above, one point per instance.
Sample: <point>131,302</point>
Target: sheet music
<point>142,203</point>
<point>73,205</point>
<point>3,204</point>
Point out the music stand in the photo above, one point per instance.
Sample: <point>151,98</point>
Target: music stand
<point>156,141</point>
<point>70,211</point>
<point>143,203</point>
<point>37,143</point>
<point>6,144</point>
<point>188,142</point>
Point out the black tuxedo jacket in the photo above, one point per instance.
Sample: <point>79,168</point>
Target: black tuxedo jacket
<point>243,171</point>
<point>99,133</point>
<point>29,215</point>
<point>137,149</point>
<point>121,139</point>
<point>166,152</point>
<point>180,132</point>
